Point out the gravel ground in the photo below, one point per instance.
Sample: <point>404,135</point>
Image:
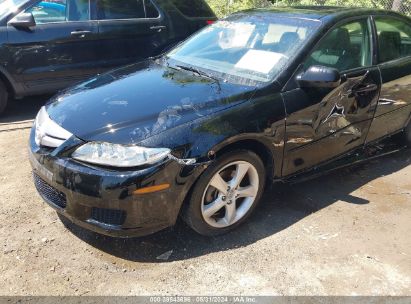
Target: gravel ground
<point>346,233</point>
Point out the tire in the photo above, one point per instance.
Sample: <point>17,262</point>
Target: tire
<point>211,211</point>
<point>4,97</point>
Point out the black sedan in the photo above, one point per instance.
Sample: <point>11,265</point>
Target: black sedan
<point>262,96</point>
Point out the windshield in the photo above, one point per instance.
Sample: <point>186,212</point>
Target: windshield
<point>8,6</point>
<point>254,47</point>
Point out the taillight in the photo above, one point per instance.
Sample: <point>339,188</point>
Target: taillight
<point>210,22</point>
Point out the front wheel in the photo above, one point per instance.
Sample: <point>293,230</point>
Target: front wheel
<point>226,194</point>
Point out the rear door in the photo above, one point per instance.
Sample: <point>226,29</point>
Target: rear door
<point>394,58</point>
<point>129,30</point>
<point>324,123</point>
<point>58,51</point>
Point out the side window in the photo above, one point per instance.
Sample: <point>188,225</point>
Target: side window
<point>344,48</point>
<point>120,9</point>
<point>394,38</point>
<point>151,10</point>
<point>49,11</point>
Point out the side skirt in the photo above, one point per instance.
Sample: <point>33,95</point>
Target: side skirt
<point>382,148</point>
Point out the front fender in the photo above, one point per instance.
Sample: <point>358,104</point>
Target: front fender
<point>260,120</point>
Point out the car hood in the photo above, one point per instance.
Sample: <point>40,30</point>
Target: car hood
<point>133,103</point>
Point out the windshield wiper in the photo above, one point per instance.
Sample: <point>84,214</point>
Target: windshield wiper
<point>198,72</point>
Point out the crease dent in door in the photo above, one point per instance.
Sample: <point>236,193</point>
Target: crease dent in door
<point>323,124</point>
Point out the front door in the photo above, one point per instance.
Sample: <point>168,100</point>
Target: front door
<point>58,51</point>
<point>324,123</point>
<point>129,30</point>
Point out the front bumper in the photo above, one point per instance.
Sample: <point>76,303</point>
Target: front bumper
<point>102,200</point>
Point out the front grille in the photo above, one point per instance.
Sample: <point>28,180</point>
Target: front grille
<point>49,193</point>
<point>108,216</point>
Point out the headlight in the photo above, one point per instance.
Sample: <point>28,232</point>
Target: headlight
<point>115,155</point>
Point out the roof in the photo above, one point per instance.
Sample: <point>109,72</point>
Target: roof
<point>323,13</point>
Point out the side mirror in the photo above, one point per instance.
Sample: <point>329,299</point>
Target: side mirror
<point>319,77</point>
<point>24,20</point>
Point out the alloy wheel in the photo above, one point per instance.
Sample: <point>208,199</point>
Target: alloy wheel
<point>230,194</point>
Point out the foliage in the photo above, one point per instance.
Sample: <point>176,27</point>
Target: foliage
<point>226,7</point>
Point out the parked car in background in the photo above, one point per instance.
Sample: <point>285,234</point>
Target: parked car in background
<point>48,45</point>
<point>262,96</point>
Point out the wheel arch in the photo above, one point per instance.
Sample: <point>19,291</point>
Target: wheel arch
<point>5,79</point>
<point>261,149</point>
<point>257,146</point>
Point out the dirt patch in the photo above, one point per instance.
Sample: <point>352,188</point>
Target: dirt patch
<point>347,233</point>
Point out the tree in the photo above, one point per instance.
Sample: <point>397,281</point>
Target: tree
<point>226,7</point>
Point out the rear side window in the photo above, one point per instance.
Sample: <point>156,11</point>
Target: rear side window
<point>125,9</point>
<point>120,9</point>
<point>394,38</point>
<point>194,8</point>
<point>151,10</point>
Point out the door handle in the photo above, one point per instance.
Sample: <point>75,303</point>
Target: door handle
<point>158,28</point>
<point>80,33</point>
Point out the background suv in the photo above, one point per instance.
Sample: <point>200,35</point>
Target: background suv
<point>51,44</point>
